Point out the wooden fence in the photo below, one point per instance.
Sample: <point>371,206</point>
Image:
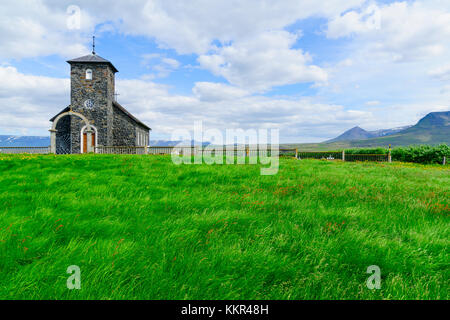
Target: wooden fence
<point>367,157</point>
<point>341,155</point>
<point>30,150</point>
<point>243,151</point>
<point>120,150</point>
<point>251,152</point>
<point>325,155</point>
<point>177,150</point>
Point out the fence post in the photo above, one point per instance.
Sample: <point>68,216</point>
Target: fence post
<point>389,155</point>
<point>146,149</point>
<point>296,153</point>
<point>445,161</point>
<point>343,155</point>
<point>246,151</point>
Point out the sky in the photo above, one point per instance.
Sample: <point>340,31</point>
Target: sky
<point>311,69</point>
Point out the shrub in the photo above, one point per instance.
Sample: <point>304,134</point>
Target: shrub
<point>421,154</point>
<point>367,151</point>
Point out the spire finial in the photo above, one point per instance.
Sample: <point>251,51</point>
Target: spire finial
<point>93,44</point>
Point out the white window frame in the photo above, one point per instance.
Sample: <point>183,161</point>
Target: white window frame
<point>88,74</point>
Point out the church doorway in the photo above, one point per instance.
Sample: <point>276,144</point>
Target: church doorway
<point>84,139</point>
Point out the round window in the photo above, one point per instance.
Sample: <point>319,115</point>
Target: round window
<point>89,103</point>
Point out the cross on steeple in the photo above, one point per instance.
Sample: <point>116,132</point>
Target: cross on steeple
<point>93,44</point>
<point>115,96</point>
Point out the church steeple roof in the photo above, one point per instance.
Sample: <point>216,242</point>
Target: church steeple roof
<point>92,58</point>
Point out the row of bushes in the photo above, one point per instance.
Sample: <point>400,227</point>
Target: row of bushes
<point>422,154</point>
<point>367,151</point>
<point>418,154</point>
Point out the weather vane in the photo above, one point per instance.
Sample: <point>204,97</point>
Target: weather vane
<point>93,44</point>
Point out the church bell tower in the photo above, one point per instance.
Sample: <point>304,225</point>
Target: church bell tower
<point>92,80</point>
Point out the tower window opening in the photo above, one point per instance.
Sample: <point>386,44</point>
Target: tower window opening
<point>88,74</point>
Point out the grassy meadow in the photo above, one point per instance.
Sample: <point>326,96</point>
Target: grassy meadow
<point>140,227</point>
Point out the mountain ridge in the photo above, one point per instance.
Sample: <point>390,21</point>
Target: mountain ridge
<point>24,141</point>
<point>358,133</point>
<point>433,129</point>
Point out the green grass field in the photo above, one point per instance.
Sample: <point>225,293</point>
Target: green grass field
<point>140,227</point>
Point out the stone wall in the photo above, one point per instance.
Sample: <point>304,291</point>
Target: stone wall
<point>101,91</point>
<point>124,133</point>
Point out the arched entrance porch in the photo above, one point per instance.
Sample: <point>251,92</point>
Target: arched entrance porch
<point>88,130</point>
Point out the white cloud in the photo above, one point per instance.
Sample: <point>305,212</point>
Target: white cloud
<point>262,62</point>
<point>441,73</point>
<point>192,26</point>
<point>241,27</point>
<point>159,65</point>
<point>32,28</point>
<point>445,89</point>
<point>37,28</point>
<point>172,63</point>
<point>372,103</point>
<point>400,31</point>
<point>396,62</point>
<point>211,91</point>
<point>354,22</point>
<point>29,101</point>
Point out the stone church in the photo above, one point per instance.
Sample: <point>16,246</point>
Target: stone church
<point>94,118</point>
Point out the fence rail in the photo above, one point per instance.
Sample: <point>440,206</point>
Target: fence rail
<point>19,150</point>
<point>367,157</point>
<point>177,150</point>
<point>333,155</point>
<point>250,152</point>
<point>243,151</point>
<point>341,155</point>
<point>120,150</point>
<point>180,150</point>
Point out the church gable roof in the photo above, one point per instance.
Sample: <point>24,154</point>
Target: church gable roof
<point>62,111</point>
<point>118,106</point>
<point>92,58</point>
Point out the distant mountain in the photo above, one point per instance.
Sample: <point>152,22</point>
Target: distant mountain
<point>24,141</point>
<point>388,132</point>
<point>432,129</point>
<point>358,133</point>
<point>434,119</point>
<point>355,133</point>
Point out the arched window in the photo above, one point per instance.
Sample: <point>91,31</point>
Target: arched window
<point>88,74</point>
